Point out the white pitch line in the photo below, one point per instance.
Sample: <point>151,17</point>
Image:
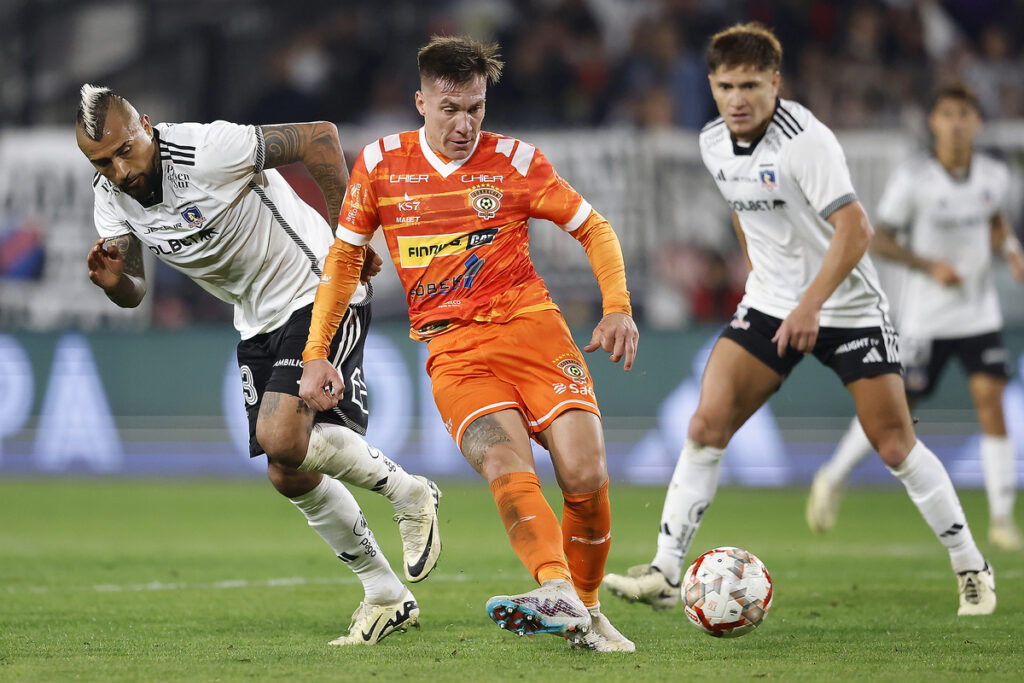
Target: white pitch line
<point>228,584</point>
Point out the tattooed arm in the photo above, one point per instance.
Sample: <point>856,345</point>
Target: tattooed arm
<point>115,265</point>
<point>318,147</point>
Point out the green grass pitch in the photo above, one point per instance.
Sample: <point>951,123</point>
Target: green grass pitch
<point>212,580</point>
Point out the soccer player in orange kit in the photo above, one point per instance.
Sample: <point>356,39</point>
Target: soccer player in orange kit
<point>454,203</point>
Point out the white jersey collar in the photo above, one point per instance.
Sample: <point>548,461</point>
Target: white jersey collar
<point>444,169</point>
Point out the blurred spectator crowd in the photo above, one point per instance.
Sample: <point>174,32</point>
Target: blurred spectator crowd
<point>864,63</point>
<point>627,64</point>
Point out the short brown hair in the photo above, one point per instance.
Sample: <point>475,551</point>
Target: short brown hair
<point>955,90</point>
<point>745,45</point>
<point>458,59</point>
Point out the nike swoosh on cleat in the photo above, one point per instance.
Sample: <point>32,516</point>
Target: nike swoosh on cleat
<point>367,636</point>
<point>415,569</point>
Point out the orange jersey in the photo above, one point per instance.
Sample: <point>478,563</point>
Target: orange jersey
<point>457,231</point>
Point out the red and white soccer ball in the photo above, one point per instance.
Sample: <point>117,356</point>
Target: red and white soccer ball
<point>727,592</point>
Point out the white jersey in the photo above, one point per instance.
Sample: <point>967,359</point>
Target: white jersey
<point>947,219</point>
<point>783,187</point>
<point>237,229</point>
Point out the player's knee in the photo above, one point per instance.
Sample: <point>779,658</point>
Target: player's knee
<point>589,475</point>
<point>289,481</point>
<point>707,431</point>
<point>893,443</point>
<point>497,462</point>
<point>284,446</point>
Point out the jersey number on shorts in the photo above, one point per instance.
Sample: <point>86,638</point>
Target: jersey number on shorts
<point>248,388</point>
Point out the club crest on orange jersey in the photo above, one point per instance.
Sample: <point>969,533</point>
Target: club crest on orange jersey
<point>485,200</point>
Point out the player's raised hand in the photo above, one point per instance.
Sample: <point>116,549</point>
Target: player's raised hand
<point>798,331</point>
<point>321,387</point>
<point>616,333</point>
<point>105,265</point>
<point>944,274</point>
<point>372,264</point>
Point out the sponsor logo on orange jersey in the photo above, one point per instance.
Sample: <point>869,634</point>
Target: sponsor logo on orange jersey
<point>419,250</point>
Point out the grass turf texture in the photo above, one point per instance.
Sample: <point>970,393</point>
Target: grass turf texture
<point>205,580</point>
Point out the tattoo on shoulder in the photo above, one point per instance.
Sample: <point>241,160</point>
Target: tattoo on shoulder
<point>482,434</point>
<point>131,252</point>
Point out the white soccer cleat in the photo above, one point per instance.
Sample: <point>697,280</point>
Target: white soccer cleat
<point>643,583</point>
<point>823,504</point>
<point>421,538</point>
<point>602,636</point>
<point>372,623</point>
<point>554,608</point>
<point>1004,534</point>
<point>977,592</point>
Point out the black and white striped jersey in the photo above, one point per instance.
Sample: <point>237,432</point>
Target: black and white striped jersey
<point>239,230</point>
<point>783,187</point>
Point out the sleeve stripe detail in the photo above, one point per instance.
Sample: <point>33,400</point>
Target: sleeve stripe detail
<point>784,126</point>
<point>785,113</point>
<point>372,155</point>
<point>579,217</point>
<point>837,204</point>
<point>184,148</point>
<point>505,146</point>
<point>356,239</point>
<point>261,151</point>
<point>392,142</point>
<point>303,247</point>
<point>522,158</point>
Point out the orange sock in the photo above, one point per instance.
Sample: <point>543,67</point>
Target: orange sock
<point>586,537</point>
<point>531,525</point>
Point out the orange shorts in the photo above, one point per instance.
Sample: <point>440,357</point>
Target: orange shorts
<point>530,364</point>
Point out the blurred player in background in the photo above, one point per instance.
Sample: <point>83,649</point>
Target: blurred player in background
<point>454,203</point>
<point>205,199</point>
<point>950,205</point>
<point>811,289</point>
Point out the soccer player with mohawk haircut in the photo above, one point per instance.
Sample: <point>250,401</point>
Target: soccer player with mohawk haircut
<point>812,289</point>
<point>454,203</point>
<point>205,199</point>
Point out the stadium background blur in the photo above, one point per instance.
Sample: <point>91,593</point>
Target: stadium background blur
<point>612,91</point>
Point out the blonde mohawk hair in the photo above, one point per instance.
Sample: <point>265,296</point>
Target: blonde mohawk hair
<point>92,109</point>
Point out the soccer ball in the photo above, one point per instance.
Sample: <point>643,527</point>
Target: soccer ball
<point>727,592</point>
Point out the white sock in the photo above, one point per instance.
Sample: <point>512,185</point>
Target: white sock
<point>929,486</point>
<point>335,515</point>
<point>999,464</point>
<point>341,453</point>
<point>852,448</point>
<point>689,494</point>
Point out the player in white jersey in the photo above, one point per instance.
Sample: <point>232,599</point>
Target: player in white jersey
<point>949,207</point>
<point>811,289</point>
<point>205,198</point>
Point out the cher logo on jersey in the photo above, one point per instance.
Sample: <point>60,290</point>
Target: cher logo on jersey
<point>193,216</point>
<point>768,178</point>
<point>485,200</point>
<point>420,250</point>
